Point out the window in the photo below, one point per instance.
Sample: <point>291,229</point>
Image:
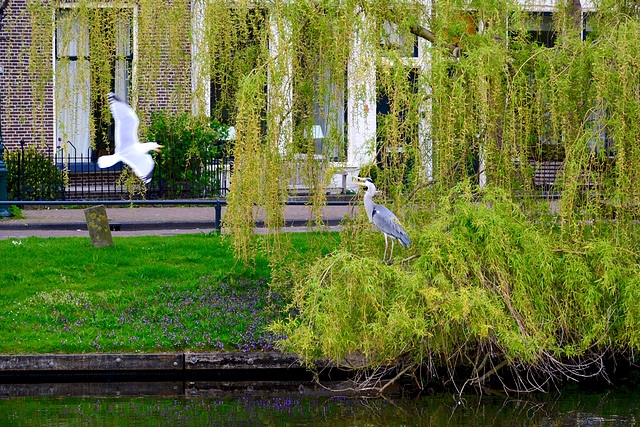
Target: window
<point>235,51</point>
<point>541,29</point>
<point>460,30</point>
<point>396,121</point>
<point>93,50</point>
<point>537,27</point>
<point>319,110</point>
<point>319,103</point>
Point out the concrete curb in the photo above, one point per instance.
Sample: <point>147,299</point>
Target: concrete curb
<point>115,226</point>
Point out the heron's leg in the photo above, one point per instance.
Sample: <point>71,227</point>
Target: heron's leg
<point>384,257</point>
<point>393,241</point>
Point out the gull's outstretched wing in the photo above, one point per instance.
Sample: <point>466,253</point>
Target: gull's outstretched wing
<point>141,163</point>
<point>126,124</point>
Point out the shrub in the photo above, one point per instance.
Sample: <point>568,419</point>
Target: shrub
<point>191,145</point>
<point>490,292</point>
<point>33,176</point>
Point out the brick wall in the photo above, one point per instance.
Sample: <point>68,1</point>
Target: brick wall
<point>27,108</point>
<point>164,40</point>
<point>27,112</point>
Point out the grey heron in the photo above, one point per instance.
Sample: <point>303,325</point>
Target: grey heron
<point>385,220</point>
<point>128,149</point>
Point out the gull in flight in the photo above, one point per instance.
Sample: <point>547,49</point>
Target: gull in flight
<point>128,149</point>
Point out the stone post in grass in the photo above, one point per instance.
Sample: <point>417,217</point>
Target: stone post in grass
<point>98,226</point>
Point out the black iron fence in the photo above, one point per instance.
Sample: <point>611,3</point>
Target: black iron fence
<point>67,175</point>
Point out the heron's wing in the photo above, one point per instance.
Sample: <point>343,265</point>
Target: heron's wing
<point>126,124</point>
<point>141,163</point>
<point>388,223</point>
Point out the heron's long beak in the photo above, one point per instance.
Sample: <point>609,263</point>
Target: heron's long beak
<point>158,149</point>
<point>360,183</point>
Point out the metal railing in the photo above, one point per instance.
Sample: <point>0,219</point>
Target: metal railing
<point>72,175</point>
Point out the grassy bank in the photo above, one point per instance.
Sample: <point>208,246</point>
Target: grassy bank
<point>145,294</point>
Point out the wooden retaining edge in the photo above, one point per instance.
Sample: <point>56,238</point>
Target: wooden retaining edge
<point>249,360</point>
<point>148,362</point>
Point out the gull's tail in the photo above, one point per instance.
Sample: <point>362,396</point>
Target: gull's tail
<point>110,160</point>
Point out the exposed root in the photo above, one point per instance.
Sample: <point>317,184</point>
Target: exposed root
<point>404,371</point>
<point>479,380</point>
<point>368,382</point>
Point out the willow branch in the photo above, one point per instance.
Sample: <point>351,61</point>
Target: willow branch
<point>434,180</point>
<point>420,31</point>
<point>576,14</point>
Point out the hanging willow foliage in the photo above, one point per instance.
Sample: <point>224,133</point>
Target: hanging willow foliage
<point>496,98</point>
<point>482,108</point>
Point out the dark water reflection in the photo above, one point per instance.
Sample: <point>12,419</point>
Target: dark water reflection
<point>200,404</point>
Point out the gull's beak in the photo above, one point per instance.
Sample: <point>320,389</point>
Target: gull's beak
<point>158,149</point>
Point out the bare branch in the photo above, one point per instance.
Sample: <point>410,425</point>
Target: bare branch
<point>479,380</point>
<point>420,31</point>
<point>410,258</point>
<point>404,371</point>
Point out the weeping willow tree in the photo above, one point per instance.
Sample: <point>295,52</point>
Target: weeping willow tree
<point>502,274</point>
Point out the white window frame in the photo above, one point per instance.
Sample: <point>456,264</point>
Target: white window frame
<point>134,51</point>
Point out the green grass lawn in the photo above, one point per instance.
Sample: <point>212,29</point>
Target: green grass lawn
<point>145,294</point>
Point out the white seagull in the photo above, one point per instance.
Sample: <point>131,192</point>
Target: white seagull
<point>128,149</point>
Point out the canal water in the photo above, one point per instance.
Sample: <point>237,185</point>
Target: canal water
<point>223,404</point>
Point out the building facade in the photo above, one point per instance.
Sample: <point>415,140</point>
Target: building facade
<point>53,85</point>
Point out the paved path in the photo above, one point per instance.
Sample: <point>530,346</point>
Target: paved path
<point>139,221</point>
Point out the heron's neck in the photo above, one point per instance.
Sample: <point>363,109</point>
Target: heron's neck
<point>368,204</point>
